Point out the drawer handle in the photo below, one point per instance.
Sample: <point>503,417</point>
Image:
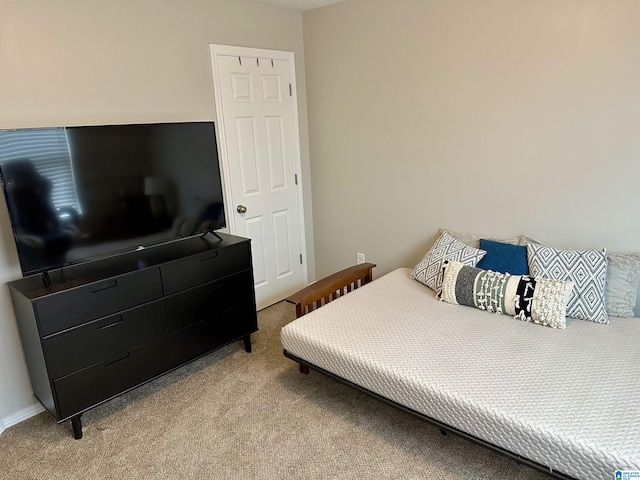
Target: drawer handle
<point>215,254</point>
<point>104,327</point>
<point>212,288</point>
<point>104,286</point>
<point>119,359</point>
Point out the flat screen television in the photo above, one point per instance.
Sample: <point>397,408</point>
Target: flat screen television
<point>76,194</point>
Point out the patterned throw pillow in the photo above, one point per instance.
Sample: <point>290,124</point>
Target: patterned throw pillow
<point>540,300</point>
<point>623,279</point>
<point>429,269</point>
<point>587,268</point>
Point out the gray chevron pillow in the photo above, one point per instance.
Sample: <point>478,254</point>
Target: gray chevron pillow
<point>586,268</point>
<point>429,270</point>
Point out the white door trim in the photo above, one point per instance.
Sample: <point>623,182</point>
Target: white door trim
<point>229,50</point>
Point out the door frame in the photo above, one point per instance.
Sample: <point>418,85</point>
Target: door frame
<point>216,50</point>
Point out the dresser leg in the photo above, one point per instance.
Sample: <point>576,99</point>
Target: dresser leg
<point>76,423</point>
<point>304,369</point>
<point>247,343</point>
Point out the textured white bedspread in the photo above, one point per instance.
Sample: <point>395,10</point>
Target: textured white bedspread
<point>569,399</point>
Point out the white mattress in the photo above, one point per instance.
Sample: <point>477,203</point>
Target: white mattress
<point>568,399</point>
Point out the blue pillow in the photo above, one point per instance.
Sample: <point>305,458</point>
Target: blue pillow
<point>504,258</point>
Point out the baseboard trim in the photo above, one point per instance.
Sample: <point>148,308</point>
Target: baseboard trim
<point>20,416</point>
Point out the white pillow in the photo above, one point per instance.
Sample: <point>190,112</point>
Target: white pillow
<point>473,239</point>
<point>621,291</point>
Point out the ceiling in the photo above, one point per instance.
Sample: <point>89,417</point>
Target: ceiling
<point>301,5</point>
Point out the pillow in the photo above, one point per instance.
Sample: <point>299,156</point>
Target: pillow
<point>540,300</point>
<point>623,280</point>
<point>504,258</point>
<point>473,240</point>
<point>621,289</point>
<point>429,270</point>
<point>526,240</point>
<point>587,268</point>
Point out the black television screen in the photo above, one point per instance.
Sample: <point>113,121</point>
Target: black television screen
<point>78,193</point>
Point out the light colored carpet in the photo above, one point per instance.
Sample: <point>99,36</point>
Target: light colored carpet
<point>246,416</point>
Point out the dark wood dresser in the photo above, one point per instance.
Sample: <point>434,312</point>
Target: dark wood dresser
<point>108,326</point>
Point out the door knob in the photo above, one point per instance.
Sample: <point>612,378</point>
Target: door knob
<point>241,209</point>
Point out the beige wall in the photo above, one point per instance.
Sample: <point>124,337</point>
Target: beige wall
<point>493,116</point>
<point>73,62</point>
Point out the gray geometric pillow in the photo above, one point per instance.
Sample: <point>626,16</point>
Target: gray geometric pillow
<point>586,268</point>
<point>623,277</point>
<point>429,270</point>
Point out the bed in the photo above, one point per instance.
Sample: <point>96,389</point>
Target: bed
<point>562,401</point>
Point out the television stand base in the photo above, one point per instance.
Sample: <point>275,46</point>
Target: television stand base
<point>212,233</point>
<point>46,279</point>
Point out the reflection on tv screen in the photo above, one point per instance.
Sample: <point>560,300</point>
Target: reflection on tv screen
<point>77,193</point>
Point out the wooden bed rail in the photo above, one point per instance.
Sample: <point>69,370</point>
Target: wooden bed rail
<point>331,287</point>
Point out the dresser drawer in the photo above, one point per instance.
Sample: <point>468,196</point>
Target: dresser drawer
<point>209,301</point>
<point>92,385</point>
<point>105,339</point>
<point>205,267</point>
<point>200,338</point>
<point>99,382</point>
<point>65,310</point>
<point>238,321</point>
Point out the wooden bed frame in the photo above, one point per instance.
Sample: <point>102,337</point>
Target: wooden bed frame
<point>339,284</point>
<point>331,287</point>
<point>328,289</point>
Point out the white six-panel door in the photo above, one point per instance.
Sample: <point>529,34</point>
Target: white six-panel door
<point>255,111</point>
